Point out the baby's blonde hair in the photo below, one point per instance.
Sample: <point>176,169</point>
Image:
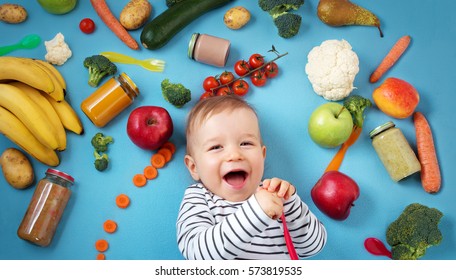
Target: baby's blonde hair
<point>208,107</point>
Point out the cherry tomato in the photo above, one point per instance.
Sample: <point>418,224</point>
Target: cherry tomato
<point>226,77</point>
<point>258,78</point>
<point>223,91</point>
<point>240,87</point>
<point>210,82</point>
<point>241,67</point>
<point>87,25</point>
<point>271,69</point>
<point>206,94</point>
<point>256,60</point>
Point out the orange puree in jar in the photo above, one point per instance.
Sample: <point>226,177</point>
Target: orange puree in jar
<point>110,99</point>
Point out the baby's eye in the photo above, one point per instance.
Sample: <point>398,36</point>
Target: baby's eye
<point>215,147</point>
<point>246,143</point>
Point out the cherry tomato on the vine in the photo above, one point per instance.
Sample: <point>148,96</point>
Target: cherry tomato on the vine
<point>240,87</point>
<point>210,82</point>
<point>258,78</point>
<point>271,69</point>
<point>241,67</point>
<point>256,60</point>
<point>223,91</point>
<point>87,25</point>
<point>206,94</point>
<point>226,77</point>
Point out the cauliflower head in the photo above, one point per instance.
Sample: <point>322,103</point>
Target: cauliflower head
<point>58,50</point>
<point>332,68</point>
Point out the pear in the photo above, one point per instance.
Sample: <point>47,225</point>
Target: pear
<point>344,12</point>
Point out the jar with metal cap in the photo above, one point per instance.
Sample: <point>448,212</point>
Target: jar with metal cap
<point>209,49</point>
<point>394,151</point>
<point>46,208</point>
<point>110,99</point>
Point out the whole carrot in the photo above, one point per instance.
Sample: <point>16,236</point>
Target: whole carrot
<point>430,171</point>
<point>390,59</point>
<point>113,23</point>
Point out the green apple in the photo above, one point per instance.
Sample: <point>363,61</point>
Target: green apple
<point>58,7</point>
<point>330,125</point>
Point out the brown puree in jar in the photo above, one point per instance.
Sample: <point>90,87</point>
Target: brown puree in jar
<point>44,213</point>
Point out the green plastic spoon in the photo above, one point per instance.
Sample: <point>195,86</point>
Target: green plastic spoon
<point>28,42</point>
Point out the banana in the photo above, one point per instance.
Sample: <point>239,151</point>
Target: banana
<point>18,133</point>
<point>59,92</point>
<point>67,115</point>
<point>26,71</point>
<point>54,70</point>
<point>48,110</point>
<point>18,103</point>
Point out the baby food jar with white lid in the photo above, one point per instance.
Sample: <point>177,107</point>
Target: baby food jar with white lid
<point>209,49</point>
<point>394,151</point>
<point>46,208</point>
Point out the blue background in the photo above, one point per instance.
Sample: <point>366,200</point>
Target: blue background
<point>146,230</point>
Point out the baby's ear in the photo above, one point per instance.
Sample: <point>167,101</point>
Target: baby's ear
<point>191,166</point>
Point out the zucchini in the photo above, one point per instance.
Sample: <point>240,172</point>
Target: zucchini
<point>162,28</point>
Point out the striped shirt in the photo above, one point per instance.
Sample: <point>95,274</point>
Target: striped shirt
<point>210,227</point>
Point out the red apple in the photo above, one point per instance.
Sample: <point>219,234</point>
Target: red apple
<point>334,194</point>
<point>149,127</point>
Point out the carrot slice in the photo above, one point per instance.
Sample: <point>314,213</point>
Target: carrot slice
<point>101,256</point>
<point>158,160</point>
<point>170,146</point>
<point>122,201</point>
<point>166,153</point>
<point>150,172</point>
<point>101,245</point>
<point>110,226</point>
<point>390,59</point>
<point>431,179</point>
<point>139,180</point>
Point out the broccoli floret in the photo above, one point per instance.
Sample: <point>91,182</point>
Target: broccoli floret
<point>100,142</point>
<point>176,94</point>
<point>356,105</point>
<point>101,161</point>
<point>287,23</point>
<point>415,230</point>
<point>279,6</point>
<point>99,66</point>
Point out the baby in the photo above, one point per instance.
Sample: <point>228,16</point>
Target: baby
<point>232,213</point>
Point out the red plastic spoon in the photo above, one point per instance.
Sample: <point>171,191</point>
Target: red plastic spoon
<point>376,247</point>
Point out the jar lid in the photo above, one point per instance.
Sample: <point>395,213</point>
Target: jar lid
<point>191,45</point>
<point>130,82</point>
<point>60,174</point>
<point>381,128</point>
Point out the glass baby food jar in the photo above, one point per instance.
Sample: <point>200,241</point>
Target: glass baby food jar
<point>209,49</point>
<point>46,208</point>
<point>110,99</point>
<point>394,151</point>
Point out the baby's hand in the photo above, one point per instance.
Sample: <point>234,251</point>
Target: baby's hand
<point>283,188</point>
<point>271,204</point>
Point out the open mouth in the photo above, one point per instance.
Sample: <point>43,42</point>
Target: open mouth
<point>235,179</point>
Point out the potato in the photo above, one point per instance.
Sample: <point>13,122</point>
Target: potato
<point>17,169</point>
<point>12,13</point>
<point>135,14</point>
<point>236,17</point>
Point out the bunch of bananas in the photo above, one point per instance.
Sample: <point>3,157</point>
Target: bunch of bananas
<point>33,111</point>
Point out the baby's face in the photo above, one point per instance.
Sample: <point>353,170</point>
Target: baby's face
<point>227,154</point>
